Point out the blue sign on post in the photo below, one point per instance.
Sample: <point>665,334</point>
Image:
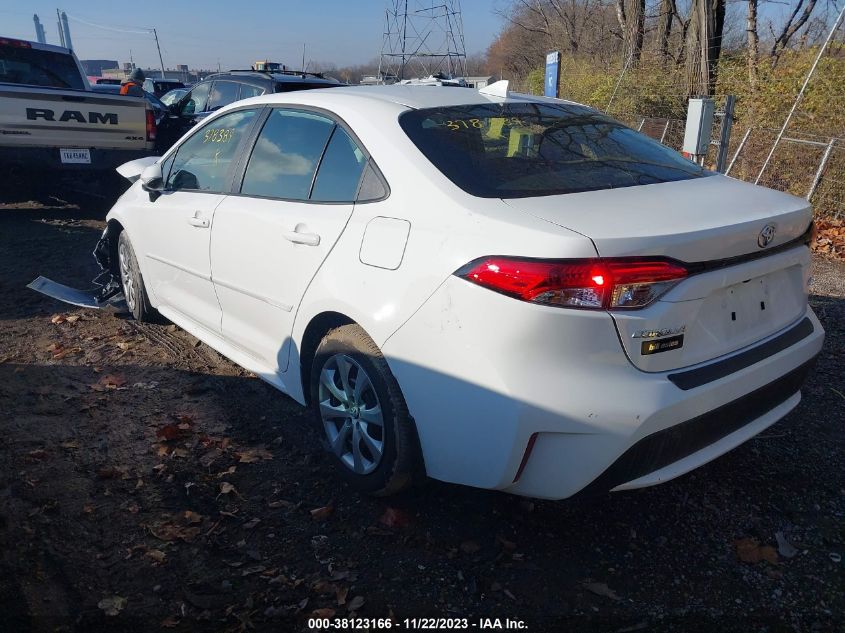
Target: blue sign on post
<point>552,74</point>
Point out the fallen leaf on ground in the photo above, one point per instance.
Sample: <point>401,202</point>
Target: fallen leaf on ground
<point>601,589</point>
<point>749,550</point>
<point>171,432</point>
<point>321,514</point>
<point>356,603</point>
<point>252,455</point>
<point>192,517</point>
<point>58,318</point>
<point>785,548</point>
<point>229,471</point>
<point>156,555</point>
<point>38,453</point>
<point>170,532</point>
<point>393,517</point>
<point>226,488</point>
<point>109,381</point>
<point>323,613</point>
<point>61,353</point>
<point>470,547</point>
<point>340,594</point>
<point>112,605</point>
<point>170,622</point>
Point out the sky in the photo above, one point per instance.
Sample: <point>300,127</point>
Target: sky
<point>233,32</point>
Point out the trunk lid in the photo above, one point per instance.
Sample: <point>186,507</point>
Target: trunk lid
<point>709,314</point>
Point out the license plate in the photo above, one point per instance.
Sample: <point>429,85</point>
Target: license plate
<point>79,156</point>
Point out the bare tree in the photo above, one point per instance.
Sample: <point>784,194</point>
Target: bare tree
<point>791,26</point>
<point>753,42</point>
<point>704,45</point>
<point>631,17</point>
<point>668,11</point>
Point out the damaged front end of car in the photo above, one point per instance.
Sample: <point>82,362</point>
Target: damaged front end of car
<point>106,285</point>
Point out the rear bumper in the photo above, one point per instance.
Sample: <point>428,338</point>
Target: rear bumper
<point>47,158</point>
<point>483,373</point>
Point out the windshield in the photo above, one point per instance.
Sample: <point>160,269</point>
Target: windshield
<point>516,150</point>
<point>19,65</point>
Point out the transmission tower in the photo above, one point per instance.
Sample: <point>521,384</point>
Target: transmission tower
<point>421,38</point>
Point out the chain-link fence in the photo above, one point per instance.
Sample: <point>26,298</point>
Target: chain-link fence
<point>808,159</point>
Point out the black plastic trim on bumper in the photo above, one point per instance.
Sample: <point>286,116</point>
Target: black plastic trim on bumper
<point>670,445</point>
<point>696,377</point>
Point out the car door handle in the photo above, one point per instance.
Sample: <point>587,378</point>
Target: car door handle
<point>309,239</point>
<point>202,223</point>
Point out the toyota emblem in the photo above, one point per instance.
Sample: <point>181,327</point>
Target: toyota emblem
<point>766,236</point>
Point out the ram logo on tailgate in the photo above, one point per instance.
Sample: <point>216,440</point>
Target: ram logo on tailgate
<point>34,114</point>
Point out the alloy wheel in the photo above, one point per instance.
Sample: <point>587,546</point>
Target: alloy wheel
<point>126,278</point>
<point>351,413</point>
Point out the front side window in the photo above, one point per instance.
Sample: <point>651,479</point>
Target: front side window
<point>33,67</point>
<point>203,161</point>
<point>514,150</point>
<point>195,101</point>
<point>286,155</point>
<point>222,94</point>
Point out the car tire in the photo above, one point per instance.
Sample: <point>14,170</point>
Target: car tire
<point>132,283</point>
<point>352,387</point>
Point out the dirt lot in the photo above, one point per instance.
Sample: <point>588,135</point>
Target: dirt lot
<point>146,483</point>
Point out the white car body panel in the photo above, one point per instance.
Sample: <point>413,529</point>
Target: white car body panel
<point>483,373</point>
<point>172,246</point>
<point>251,249</point>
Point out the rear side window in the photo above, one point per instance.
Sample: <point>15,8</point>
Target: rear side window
<point>286,155</point>
<point>195,101</point>
<point>33,67</point>
<point>203,161</point>
<point>248,91</point>
<point>222,94</point>
<point>340,170</point>
<point>515,150</point>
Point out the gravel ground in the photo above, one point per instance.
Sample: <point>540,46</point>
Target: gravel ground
<point>146,483</point>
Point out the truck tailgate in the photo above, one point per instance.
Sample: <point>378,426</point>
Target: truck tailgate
<point>56,118</point>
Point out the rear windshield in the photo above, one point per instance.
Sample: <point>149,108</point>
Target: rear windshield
<point>516,150</point>
<point>33,67</point>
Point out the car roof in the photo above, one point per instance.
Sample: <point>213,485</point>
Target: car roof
<point>268,77</point>
<point>410,96</point>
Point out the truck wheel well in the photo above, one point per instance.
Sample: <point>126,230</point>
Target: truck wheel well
<point>319,326</point>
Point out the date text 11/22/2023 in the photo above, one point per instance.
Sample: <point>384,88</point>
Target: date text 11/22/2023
<point>417,624</point>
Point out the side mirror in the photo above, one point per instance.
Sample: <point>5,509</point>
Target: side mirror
<point>152,180</point>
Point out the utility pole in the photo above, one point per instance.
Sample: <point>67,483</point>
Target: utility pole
<point>155,35</point>
<point>303,58</point>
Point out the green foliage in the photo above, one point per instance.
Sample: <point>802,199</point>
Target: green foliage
<point>536,80</point>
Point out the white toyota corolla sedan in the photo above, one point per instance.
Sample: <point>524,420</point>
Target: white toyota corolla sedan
<point>492,289</point>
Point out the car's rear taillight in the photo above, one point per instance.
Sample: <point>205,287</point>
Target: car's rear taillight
<point>151,125</point>
<point>625,283</point>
